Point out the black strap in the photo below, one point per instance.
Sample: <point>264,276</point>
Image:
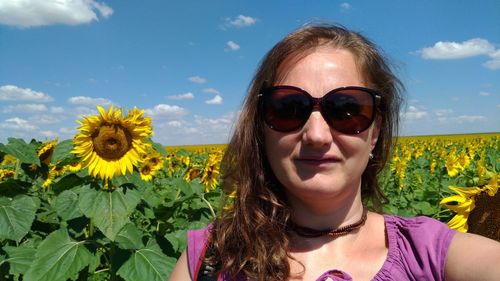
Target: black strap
<point>208,272</point>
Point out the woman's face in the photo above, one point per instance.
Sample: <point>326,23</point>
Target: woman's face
<point>317,162</point>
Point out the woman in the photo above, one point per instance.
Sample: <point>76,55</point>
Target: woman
<point>315,130</point>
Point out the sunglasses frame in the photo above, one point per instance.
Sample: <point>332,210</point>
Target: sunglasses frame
<point>317,103</point>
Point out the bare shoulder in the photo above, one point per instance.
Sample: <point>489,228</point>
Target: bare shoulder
<point>472,257</point>
<point>376,223</point>
<point>181,269</point>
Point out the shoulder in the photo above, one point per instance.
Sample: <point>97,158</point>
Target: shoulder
<point>422,233</point>
<point>480,262</point>
<point>417,246</point>
<point>417,226</point>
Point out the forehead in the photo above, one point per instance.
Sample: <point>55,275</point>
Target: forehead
<point>323,64</point>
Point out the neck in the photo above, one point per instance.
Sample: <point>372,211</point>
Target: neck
<point>329,213</point>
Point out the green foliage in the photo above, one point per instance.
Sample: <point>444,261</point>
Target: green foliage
<point>16,216</point>
<point>80,228</point>
<point>18,148</point>
<point>58,257</point>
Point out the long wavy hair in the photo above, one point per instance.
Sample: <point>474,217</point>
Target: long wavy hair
<point>250,238</point>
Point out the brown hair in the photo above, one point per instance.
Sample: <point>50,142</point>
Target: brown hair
<point>251,238</point>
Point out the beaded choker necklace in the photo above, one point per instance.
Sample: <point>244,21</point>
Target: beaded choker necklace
<point>313,233</point>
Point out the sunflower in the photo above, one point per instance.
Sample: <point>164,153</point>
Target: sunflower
<point>146,172</point>
<point>54,171</point>
<point>73,167</point>
<point>192,173</point>
<point>485,218</point>
<point>155,160</point>
<point>45,151</point>
<point>466,199</point>
<point>453,165</point>
<point>110,144</point>
<point>210,175</point>
<point>8,160</point>
<point>4,174</point>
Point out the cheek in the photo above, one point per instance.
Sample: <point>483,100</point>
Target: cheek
<point>279,147</point>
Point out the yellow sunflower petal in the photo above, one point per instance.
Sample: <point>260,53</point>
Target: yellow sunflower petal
<point>459,222</point>
<point>108,143</point>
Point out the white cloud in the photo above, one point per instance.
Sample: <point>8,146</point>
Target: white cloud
<point>30,13</point>
<point>43,119</point>
<point>213,123</point>
<point>345,6</point>
<point>470,119</point>
<point>49,134</point>
<point>25,108</point>
<point>197,79</point>
<point>168,111</point>
<point>175,124</point>
<point>241,21</point>
<point>484,94</point>
<point>14,93</point>
<point>443,112</point>
<point>454,50</point>
<point>211,91</point>
<point>56,109</point>
<point>18,124</point>
<point>104,9</point>
<point>67,131</point>
<point>414,113</point>
<point>88,101</point>
<point>81,111</point>
<point>184,96</point>
<point>494,62</point>
<point>216,100</point>
<point>233,46</point>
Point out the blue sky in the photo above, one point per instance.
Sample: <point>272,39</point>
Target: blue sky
<point>189,63</point>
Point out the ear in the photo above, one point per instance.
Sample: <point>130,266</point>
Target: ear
<point>375,132</point>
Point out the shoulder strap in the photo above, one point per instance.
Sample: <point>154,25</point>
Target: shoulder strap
<point>204,271</point>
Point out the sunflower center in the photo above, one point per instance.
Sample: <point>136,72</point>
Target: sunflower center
<point>112,141</point>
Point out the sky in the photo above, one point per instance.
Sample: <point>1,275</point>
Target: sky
<point>189,63</point>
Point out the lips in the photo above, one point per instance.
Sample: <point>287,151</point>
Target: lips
<point>318,160</point>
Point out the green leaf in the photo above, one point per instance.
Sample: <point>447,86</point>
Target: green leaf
<point>16,216</point>
<point>59,258</point>
<point>108,210</point>
<point>67,182</point>
<point>151,196</point>
<point>160,148</point>
<point>178,239</point>
<point>130,237</point>
<point>148,263</point>
<point>20,258</point>
<point>62,151</point>
<point>424,208</point>
<point>127,179</point>
<point>65,205</point>
<point>21,150</point>
<point>12,187</point>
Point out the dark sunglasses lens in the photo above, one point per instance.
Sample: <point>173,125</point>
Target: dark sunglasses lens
<point>349,111</point>
<point>286,110</point>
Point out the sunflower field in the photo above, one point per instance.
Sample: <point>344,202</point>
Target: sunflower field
<point>111,204</point>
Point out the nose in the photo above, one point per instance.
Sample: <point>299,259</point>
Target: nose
<point>316,131</point>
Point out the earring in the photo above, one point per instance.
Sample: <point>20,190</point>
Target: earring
<point>371,156</point>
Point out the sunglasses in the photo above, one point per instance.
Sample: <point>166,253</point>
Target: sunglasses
<point>349,110</point>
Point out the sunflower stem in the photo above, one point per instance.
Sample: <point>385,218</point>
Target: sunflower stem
<point>91,228</point>
<point>209,205</point>
<point>112,270</point>
<point>18,169</point>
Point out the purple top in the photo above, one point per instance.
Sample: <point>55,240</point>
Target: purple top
<point>417,250</point>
